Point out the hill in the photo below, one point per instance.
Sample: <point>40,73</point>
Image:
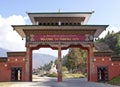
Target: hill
<point>41,59</point>
<point>3,52</point>
<point>38,59</point>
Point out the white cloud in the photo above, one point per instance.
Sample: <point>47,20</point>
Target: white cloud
<point>10,39</point>
<point>50,51</point>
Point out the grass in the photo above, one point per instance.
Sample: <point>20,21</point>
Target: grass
<point>115,81</point>
<point>51,75</point>
<point>70,75</point>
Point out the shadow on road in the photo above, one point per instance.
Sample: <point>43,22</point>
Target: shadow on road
<point>52,82</point>
<point>80,82</point>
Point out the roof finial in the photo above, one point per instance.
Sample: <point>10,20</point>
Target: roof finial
<point>26,12</point>
<point>59,10</point>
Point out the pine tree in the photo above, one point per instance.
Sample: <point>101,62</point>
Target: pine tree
<point>75,58</point>
<point>118,45</point>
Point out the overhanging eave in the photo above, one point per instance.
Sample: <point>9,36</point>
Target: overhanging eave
<point>97,28</point>
<point>61,14</point>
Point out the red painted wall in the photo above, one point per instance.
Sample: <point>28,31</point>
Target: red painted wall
<point>19,61</point>
<point>5,71</point>
<point>113,66</point>
<point>114,70</point>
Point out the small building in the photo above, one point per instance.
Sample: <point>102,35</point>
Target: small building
<point>12,67</point>
<point>105,66</point>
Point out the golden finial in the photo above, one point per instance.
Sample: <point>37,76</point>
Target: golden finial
<point>59,10</point>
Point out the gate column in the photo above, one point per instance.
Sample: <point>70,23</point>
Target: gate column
<point>59,64</point>
<point>28,64</point>
<point>90,64</point>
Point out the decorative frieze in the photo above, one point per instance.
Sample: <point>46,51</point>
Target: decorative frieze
<point>3,59</point>
<point>102,53</point>
<point>13,54</point>
<point>115,58</point>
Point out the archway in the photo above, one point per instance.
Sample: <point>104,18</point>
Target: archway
<point>30,48</point>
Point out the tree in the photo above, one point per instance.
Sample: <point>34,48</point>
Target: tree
<point>118,45</point>
<point>64,69</point>
<point>47,66</point>
<point>75,58</point>
<point>64,60</point>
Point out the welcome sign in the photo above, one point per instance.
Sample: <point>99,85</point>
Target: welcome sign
<point>40,37</point>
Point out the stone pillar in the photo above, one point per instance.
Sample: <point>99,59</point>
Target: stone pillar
<point>59,64</point>
<point>28,64</point>
<point>89,61</point>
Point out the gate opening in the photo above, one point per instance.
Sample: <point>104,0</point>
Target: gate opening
<point>16,74</point>
<point>102,73</point>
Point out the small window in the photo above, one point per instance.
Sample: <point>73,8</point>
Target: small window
<point>70,23</point>
<point>44,23</point>
<point>56,23</point>
<point>48,23</point>
<point>75,24</point>
<point>62,23</point>
<point>79,23</point>
<point>66,23</point>
<point>40,23</point>
<point>52,23</point>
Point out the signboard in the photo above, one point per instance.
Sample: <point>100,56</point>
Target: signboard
<point>40,37</point>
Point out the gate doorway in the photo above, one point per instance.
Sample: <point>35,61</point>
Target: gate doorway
<point>16,74</point>
<point>102,73</point>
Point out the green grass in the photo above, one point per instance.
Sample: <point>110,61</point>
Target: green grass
<point>115,81</point>
<point>70,75</point>
<point>52,75</point>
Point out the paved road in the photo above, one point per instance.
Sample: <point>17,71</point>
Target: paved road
<point>52,82</point>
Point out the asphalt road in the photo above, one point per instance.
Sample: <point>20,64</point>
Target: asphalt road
<point>52,82</point>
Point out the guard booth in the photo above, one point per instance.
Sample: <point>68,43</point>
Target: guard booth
<point>59,31</point>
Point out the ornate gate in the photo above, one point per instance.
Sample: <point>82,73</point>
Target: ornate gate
<point>59,31</point>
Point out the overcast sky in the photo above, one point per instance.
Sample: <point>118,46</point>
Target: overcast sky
<point>13,12</point>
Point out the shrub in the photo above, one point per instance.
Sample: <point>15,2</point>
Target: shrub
<point>52,75</point>
<point>115,81</point>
